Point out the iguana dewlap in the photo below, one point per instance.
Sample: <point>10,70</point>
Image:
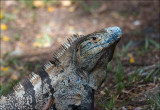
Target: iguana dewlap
<point>77,69</point>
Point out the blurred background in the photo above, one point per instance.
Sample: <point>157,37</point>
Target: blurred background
<point>31,30</point>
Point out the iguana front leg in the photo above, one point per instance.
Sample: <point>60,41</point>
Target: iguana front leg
<point>49,103</point>
<point>87,99</point>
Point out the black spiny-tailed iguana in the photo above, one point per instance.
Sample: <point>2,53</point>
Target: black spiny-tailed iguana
<point>70,78</point>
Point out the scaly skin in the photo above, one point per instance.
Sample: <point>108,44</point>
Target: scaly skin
<point>70,78</point>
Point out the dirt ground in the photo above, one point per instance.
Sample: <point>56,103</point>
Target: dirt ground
<point>31,32</point>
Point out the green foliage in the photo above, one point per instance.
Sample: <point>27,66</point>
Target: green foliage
<point>146,44</point>
<point>6,88</point>
<point>135,32</point>
<point>89,8</point>
<point>28,3</point>
<point>157,45</point>
<point>135,14</point>
<point>119,78</point>
<point>8,17</point>
<point>110,67</point>
<point>13,61</point>
<point>85,6</point>
<point>125,48</point>
<point>149,41</point>
<point>107,92</point>
<point>154,103</point>
<point>16,36</point>
<point>156,75</point>
<point>123,14</point>
<point>134,77</point>
<point>120,86</point>
<point>148,77</point>
<point>110,105</point>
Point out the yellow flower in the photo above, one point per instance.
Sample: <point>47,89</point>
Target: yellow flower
<point>20,44</point>
<point>3,27</point>
<point>38,3</point>
<point>50,9</point>
<point>131,60</point>
<point>71,9</point>
<point>4,69</point>
<point>1,16</point>
<point>5,38</point>
<point>36,44</point>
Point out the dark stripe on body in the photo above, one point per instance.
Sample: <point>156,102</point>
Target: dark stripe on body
<point>29,91</point>
<point>45,79</point>
<point>53,107</point>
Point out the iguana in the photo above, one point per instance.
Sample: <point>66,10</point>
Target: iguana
<point>68,80</point>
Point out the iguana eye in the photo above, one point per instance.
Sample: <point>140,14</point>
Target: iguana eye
<point>95,39</point>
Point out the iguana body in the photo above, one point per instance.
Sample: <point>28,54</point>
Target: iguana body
<point>71,77</point>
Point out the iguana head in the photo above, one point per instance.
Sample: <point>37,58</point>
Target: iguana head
<point>97,46</point>
<point>94,53</point>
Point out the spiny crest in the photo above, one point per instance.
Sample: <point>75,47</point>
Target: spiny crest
<point>18,87</point>
<point>61,50</point>
<point>54,62</point>
<point>66,45</point>
<point>32,77</point>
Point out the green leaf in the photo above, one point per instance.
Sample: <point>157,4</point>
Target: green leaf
<point>147,78</point>
<point>146,44</point>
<point>47,38</point>
<point>133,76</point>
<point>125,48</point>
<point>120,87</point>
<point>157,45</point>
<point>120,73</point>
